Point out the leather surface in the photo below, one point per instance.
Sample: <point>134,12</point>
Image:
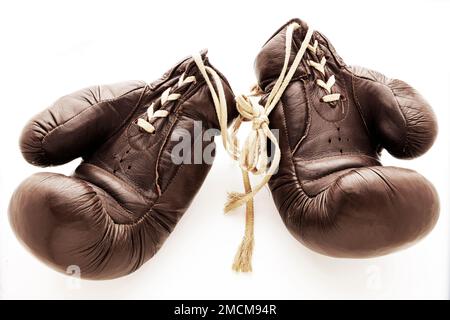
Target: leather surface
<point>331,190</point>
<point>127,195</point>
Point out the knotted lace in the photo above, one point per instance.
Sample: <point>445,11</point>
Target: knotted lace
<point>252,156</point>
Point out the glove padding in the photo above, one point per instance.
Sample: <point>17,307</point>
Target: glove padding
<point>127,195</point>
<point>330,189</point>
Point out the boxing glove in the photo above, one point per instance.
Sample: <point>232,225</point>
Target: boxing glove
<point>333,121</point>
<point>130,190</point>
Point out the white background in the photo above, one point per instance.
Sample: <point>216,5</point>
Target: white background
<point>50,48</point>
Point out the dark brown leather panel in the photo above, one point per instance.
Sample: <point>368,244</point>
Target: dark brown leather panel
<point>127,195</point>
<point>330,189</point>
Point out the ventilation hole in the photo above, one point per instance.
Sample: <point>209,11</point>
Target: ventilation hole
<point>329,140</point>
<point>338,129</point>
<point>340,150</point>
<point>121,160</point>
<point>339,139</point>
<point>129,167</point>
<point>348,139</point>
<point>114,171</point>
<point>128,151</point>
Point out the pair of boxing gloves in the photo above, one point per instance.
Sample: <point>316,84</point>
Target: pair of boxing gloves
<point>127,195</point>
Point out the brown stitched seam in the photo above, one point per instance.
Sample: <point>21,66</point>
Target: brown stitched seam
<point>395,98</point>
<point>90,186</point>
<point>343,104</point>
<point>405,136</point>
<point>337,156</point>
<point>130,114</point>
<point>349,170</point>
<point>158,188</point>
<point>173,177</point>
<point>308,123</point>
<point>176,114</point>
<point>330,174</point>
<point>125,120</point>
<point>137,190</point>
<point>149,212</point>
<point>182,164</point>
<point>358,104</point>
<point>294,172</point>
<point>43,141</point>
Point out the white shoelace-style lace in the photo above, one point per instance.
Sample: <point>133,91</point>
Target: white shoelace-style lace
<point>330,97</point>
<point>166,96</point>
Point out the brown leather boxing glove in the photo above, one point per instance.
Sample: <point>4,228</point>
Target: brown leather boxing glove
<point>333,120</point>
<point>127,195</point>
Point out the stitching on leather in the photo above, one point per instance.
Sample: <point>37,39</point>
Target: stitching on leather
<point>406,125</point>
<point>188,95</point>
<point>329,174</point>
<point>149,212</point>
<point>173,178</point>
<point>162,133</point>
<point>179,166</point>
<point>342,101</point>
<point>405,122</point>
<point>99,198</point>
<point>358,104</point>
<point>154,90</point>
<point>51,132</point>
<point>166,137</point>
<point>176,106</point>
<point>339,179</point>
<point>304,182</point>
<point>294,171</point>
<point>168,129</point>
<point>308,122</point>
<point>133,110</point>
<point>88,108</point>
<point>345,100</point>
<point>405,138</point>
<point>298,183</point>
<point>336,156</point>
<point>137,190</point>
<point>167,133</point>
<point>346,172</point>
<point>281,106</point>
